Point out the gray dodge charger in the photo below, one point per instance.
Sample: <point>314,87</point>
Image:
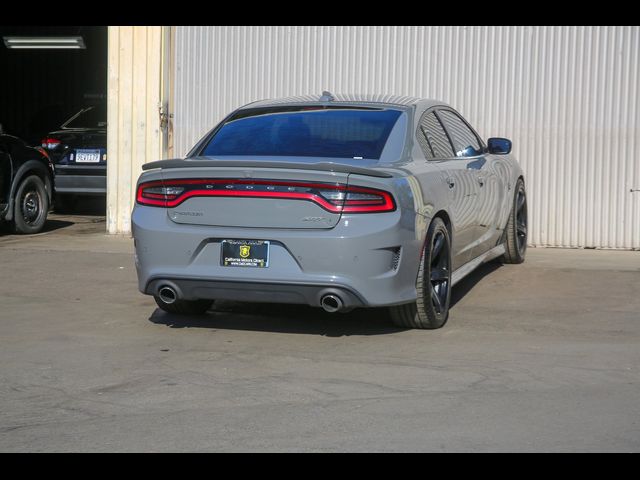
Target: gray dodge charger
<point>334,201</point>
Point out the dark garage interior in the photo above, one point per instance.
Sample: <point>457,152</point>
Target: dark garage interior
<point>44,85</point>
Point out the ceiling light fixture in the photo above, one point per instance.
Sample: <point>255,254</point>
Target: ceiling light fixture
<point>44,42</point>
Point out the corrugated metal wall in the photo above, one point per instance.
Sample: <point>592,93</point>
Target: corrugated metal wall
<point>568,97</point>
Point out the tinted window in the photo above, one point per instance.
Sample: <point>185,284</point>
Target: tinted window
<point>435,136</point>
<point>305,131</point>
<point>465,142</point>
<point>422,140</point>
<point>93,117</point>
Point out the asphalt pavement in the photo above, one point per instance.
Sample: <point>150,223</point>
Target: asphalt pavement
<point>543,356</point>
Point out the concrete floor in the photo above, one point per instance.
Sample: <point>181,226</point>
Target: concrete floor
<point>543,356</point>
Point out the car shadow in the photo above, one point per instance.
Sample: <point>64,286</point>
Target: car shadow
<point>467,283</point>
<point>88,205</point>
<point>52,225</point>
<point>49,226</point>
<point>279,318</point>
<point>302,319</point>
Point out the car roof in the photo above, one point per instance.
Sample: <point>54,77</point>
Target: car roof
<point>348,98</point>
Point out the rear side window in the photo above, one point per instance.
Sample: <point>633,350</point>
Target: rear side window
<point>437,143</point>
<point>464,140</point>
<point>312,131</point>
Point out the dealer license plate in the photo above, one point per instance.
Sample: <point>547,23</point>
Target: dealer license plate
<point>245,253</point>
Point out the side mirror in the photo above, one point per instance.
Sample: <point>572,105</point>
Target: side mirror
<point>499,146</point>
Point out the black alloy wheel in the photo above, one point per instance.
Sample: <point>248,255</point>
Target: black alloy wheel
<point>440,268</point>
<point>433,283</point>
<point>516,231</point>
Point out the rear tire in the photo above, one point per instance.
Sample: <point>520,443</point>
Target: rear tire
<point>31,206</point>
<point>516,230</point>
<point>184,307</point>
<point>433,285</point>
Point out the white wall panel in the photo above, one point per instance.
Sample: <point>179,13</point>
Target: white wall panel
<point>134,133</point>
<point>567,96</point>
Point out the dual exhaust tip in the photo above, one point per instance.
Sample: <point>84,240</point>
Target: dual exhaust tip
<point>330,302</point>
<point>167,294</point>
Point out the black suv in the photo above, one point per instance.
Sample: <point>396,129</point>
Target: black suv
<point>26,185</point>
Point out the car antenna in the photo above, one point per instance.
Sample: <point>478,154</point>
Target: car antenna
<point>326,97</point>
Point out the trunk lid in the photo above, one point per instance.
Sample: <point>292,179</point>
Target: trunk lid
<point>285,203</point>
<point>257,194</point>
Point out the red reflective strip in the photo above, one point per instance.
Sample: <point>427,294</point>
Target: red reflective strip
<point>143,200</point>
<point>382,204</point>
<point>387,206</point>
<point>237,181</point>
<point>364,202</point>
<point>44,152</point>
<point>250,194</point>
<point>157,195</point>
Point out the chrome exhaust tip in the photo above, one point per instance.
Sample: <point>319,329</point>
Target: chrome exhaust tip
<point>331,303</point>
<point>167,294</point>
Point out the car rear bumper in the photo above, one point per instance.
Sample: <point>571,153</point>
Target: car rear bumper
<point>370,260</point>
<point>81,180</point>
<point>246,291</point>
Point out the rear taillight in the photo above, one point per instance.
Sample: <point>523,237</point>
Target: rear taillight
<point>333,197</point>
<point>50,143</point>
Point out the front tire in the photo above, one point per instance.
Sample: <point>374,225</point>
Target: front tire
<point>184,307</point>
<point>31,206</point>
<point>433,284</point>
<point>516,231</point>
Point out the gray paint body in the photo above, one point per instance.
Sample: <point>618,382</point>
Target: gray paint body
<point>352,254</point>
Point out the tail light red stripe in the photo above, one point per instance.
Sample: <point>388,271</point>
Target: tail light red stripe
<point>382,203</point>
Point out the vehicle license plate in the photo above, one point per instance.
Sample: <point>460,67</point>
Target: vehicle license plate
<point>245,253</point>
<point>87,156</point>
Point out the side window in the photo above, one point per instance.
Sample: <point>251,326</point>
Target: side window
<point>422,141</point>
<point>464,140</point>
<point>434,137</point>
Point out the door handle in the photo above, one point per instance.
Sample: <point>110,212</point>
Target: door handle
<point>451,182</point>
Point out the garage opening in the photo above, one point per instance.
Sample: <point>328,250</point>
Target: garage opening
<point>54,96</point>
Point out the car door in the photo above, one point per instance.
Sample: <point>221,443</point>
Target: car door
<point>482,171</point>
<point>461,184</point>
<point>494,176</point>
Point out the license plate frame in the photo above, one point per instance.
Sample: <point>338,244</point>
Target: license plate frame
<point>245,253</point>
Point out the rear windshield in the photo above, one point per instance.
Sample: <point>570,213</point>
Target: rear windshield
<point>92,117</point>
<point>338,132</point>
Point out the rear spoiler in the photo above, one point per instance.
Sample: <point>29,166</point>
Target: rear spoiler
<point>322,166</point>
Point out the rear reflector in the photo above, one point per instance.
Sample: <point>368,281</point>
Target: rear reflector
<point>43,152</point>
<point>333,197</point>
